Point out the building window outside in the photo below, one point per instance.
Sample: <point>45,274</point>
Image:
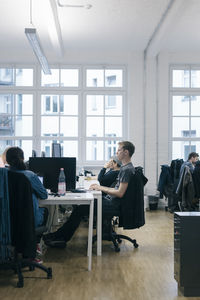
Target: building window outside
<point>185,99</point>
<point>16,121</point>
<point>81,108</point>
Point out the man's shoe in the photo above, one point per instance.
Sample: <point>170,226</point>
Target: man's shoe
<point>38,260</point>
<point>38,249</point>
<point>49,236</point>
<point>57,243</point>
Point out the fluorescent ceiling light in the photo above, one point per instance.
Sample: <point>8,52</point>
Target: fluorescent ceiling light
<point>34,41</point>
<point>87,6</point>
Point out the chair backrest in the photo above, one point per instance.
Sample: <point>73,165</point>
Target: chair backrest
<point>5,236</point>
<point>43,154</point>
<point>132,204</point>
<point>21,214</point>
<point>34,153</point>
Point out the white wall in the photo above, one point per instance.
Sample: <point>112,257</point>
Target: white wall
<point>158,125</point>
<point>150,147</point>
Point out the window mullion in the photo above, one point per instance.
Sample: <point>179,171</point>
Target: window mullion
<point>104,124</point>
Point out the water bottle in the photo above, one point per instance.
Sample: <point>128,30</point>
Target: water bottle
<point>81,178</point>
<point>61,183</point>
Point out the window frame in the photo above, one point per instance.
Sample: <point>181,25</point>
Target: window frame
<point>181,91</point>
<point>82,90</point>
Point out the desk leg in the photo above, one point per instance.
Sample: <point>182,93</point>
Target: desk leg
<point>90,234</point>
<point>99,224</point>
<point>50,220</point>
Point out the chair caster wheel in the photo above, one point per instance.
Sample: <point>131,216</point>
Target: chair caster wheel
<point>117,249</point>
<point>20,284</point>
<point>31,268</point>
<point>49,273</point>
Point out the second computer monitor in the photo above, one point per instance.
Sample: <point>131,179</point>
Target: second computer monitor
<point>56,150</point>
<point>49,169</point>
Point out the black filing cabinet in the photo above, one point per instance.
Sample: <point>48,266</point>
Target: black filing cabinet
<point>187,252</point>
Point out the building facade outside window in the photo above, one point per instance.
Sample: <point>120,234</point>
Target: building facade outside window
<point>82,108</point>
<point>185,110</point>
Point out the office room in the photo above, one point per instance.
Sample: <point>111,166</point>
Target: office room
<point>106,71</point>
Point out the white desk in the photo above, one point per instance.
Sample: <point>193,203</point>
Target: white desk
<point>77,198</point>
<point>97,195</point>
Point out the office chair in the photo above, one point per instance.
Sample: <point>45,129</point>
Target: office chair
<point>19,238</point>
<point>43,154</point>
<point>131,212</point>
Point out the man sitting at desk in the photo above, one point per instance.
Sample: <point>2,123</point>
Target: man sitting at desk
<point>109,173</point>
<point>111,201</point>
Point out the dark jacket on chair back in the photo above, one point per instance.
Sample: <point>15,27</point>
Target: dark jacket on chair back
<point>196,179</point>
<point>21,214</point>
<point>132,204</point>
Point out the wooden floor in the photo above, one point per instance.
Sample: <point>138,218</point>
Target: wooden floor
<point>143,274</point>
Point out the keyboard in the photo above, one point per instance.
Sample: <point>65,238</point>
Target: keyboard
<point>78,191</point>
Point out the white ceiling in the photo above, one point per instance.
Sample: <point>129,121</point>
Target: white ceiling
<point>184,32</point>
<point>110,25</point>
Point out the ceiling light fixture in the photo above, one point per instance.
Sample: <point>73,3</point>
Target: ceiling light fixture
<point>87,6</point>
<point>35,45</point>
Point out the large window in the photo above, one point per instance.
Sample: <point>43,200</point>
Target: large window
<point>103,125</point>
<point>81,108</point>
<point>185,99</point>
<point>16,121</point>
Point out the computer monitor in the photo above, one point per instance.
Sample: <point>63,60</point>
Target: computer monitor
<point>49,169</point>
<point>34,153</point>
<point>56,150</point>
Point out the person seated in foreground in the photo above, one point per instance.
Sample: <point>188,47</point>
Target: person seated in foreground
<point>108,174</point>
<point>110,202</point>
<point>15,159</point>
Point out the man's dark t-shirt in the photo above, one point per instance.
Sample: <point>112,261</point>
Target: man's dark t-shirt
<point>125,174</point>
